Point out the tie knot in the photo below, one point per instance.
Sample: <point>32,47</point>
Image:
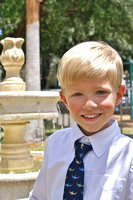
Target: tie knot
<point>81,149</point>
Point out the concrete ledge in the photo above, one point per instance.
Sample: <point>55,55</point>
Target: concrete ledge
<point>16,186</point>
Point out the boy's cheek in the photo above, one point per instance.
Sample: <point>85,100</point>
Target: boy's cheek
<point>108,104</point>
<point>73,107</point>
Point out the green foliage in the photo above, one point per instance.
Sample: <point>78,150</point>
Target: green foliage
<point>64,23</point>
<point>12,13</point>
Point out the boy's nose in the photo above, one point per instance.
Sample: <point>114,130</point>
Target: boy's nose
<point>90,104</point>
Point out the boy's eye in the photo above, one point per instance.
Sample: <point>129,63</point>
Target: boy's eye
<point>77,94</point>
<point>100,92</point>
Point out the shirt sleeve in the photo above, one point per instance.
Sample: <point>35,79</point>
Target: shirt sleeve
<point>131,182</point>
<point>39,191</point>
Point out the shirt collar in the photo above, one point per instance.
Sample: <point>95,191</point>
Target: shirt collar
<point>102,140</point>
<point>77,133</point>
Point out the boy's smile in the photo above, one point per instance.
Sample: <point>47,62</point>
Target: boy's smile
<point>91,103</point>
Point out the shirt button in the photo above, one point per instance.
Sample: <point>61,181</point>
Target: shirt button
<point>87,140</point>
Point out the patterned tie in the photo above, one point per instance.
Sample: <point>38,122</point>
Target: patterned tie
<point>74,183</point>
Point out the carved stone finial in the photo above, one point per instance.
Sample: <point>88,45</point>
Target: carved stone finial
<point>12,58</point>
<point>12,54</point>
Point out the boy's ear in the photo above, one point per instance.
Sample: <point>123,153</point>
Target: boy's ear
<point>119,94</point>
<point>62,96</point>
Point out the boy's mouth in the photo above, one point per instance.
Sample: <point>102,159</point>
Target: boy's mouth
<point>93,116</point>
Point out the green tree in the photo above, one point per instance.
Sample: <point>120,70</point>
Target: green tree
<point>64,23</point>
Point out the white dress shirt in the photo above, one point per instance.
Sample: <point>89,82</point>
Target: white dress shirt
<point>108,167</point>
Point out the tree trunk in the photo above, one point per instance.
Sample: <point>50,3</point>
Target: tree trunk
<point>32,46</point>
<point>34,131</point>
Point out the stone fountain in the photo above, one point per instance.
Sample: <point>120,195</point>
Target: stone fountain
<point>17,108</point>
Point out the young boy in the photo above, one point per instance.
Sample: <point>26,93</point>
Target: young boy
<point>90,76</point>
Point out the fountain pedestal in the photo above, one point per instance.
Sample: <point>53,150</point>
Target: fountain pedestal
<point>15,155</point>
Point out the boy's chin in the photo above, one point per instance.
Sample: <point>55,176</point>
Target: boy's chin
<point>95,130</point>
<point>88,132</point>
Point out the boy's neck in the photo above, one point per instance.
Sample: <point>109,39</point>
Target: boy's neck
<point>92,133</point>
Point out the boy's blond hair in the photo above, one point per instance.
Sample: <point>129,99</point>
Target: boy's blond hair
<point>90,60</point>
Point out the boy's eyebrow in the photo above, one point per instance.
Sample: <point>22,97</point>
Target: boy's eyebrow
<point>102,86</point>
<point>76,89</point>
<point>98,87</point>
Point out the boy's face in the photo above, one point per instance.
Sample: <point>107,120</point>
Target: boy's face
<point>91,103</point>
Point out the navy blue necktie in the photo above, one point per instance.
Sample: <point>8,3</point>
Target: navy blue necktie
<point>74,183</point>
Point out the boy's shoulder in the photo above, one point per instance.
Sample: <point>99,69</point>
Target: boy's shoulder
<point>125,142</point>
<point>62,131</point>
<point>61,135</point>
<point>59,141</point>
<point>128,139</point>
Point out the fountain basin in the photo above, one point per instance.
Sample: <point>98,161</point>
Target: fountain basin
<point>28,105</point>
<point>18,186</point>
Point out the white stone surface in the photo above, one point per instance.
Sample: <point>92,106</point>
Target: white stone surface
<point>16,186</point>
<point>28,102</point>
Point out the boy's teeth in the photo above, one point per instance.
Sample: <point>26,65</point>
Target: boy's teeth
<point>91,116</point>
